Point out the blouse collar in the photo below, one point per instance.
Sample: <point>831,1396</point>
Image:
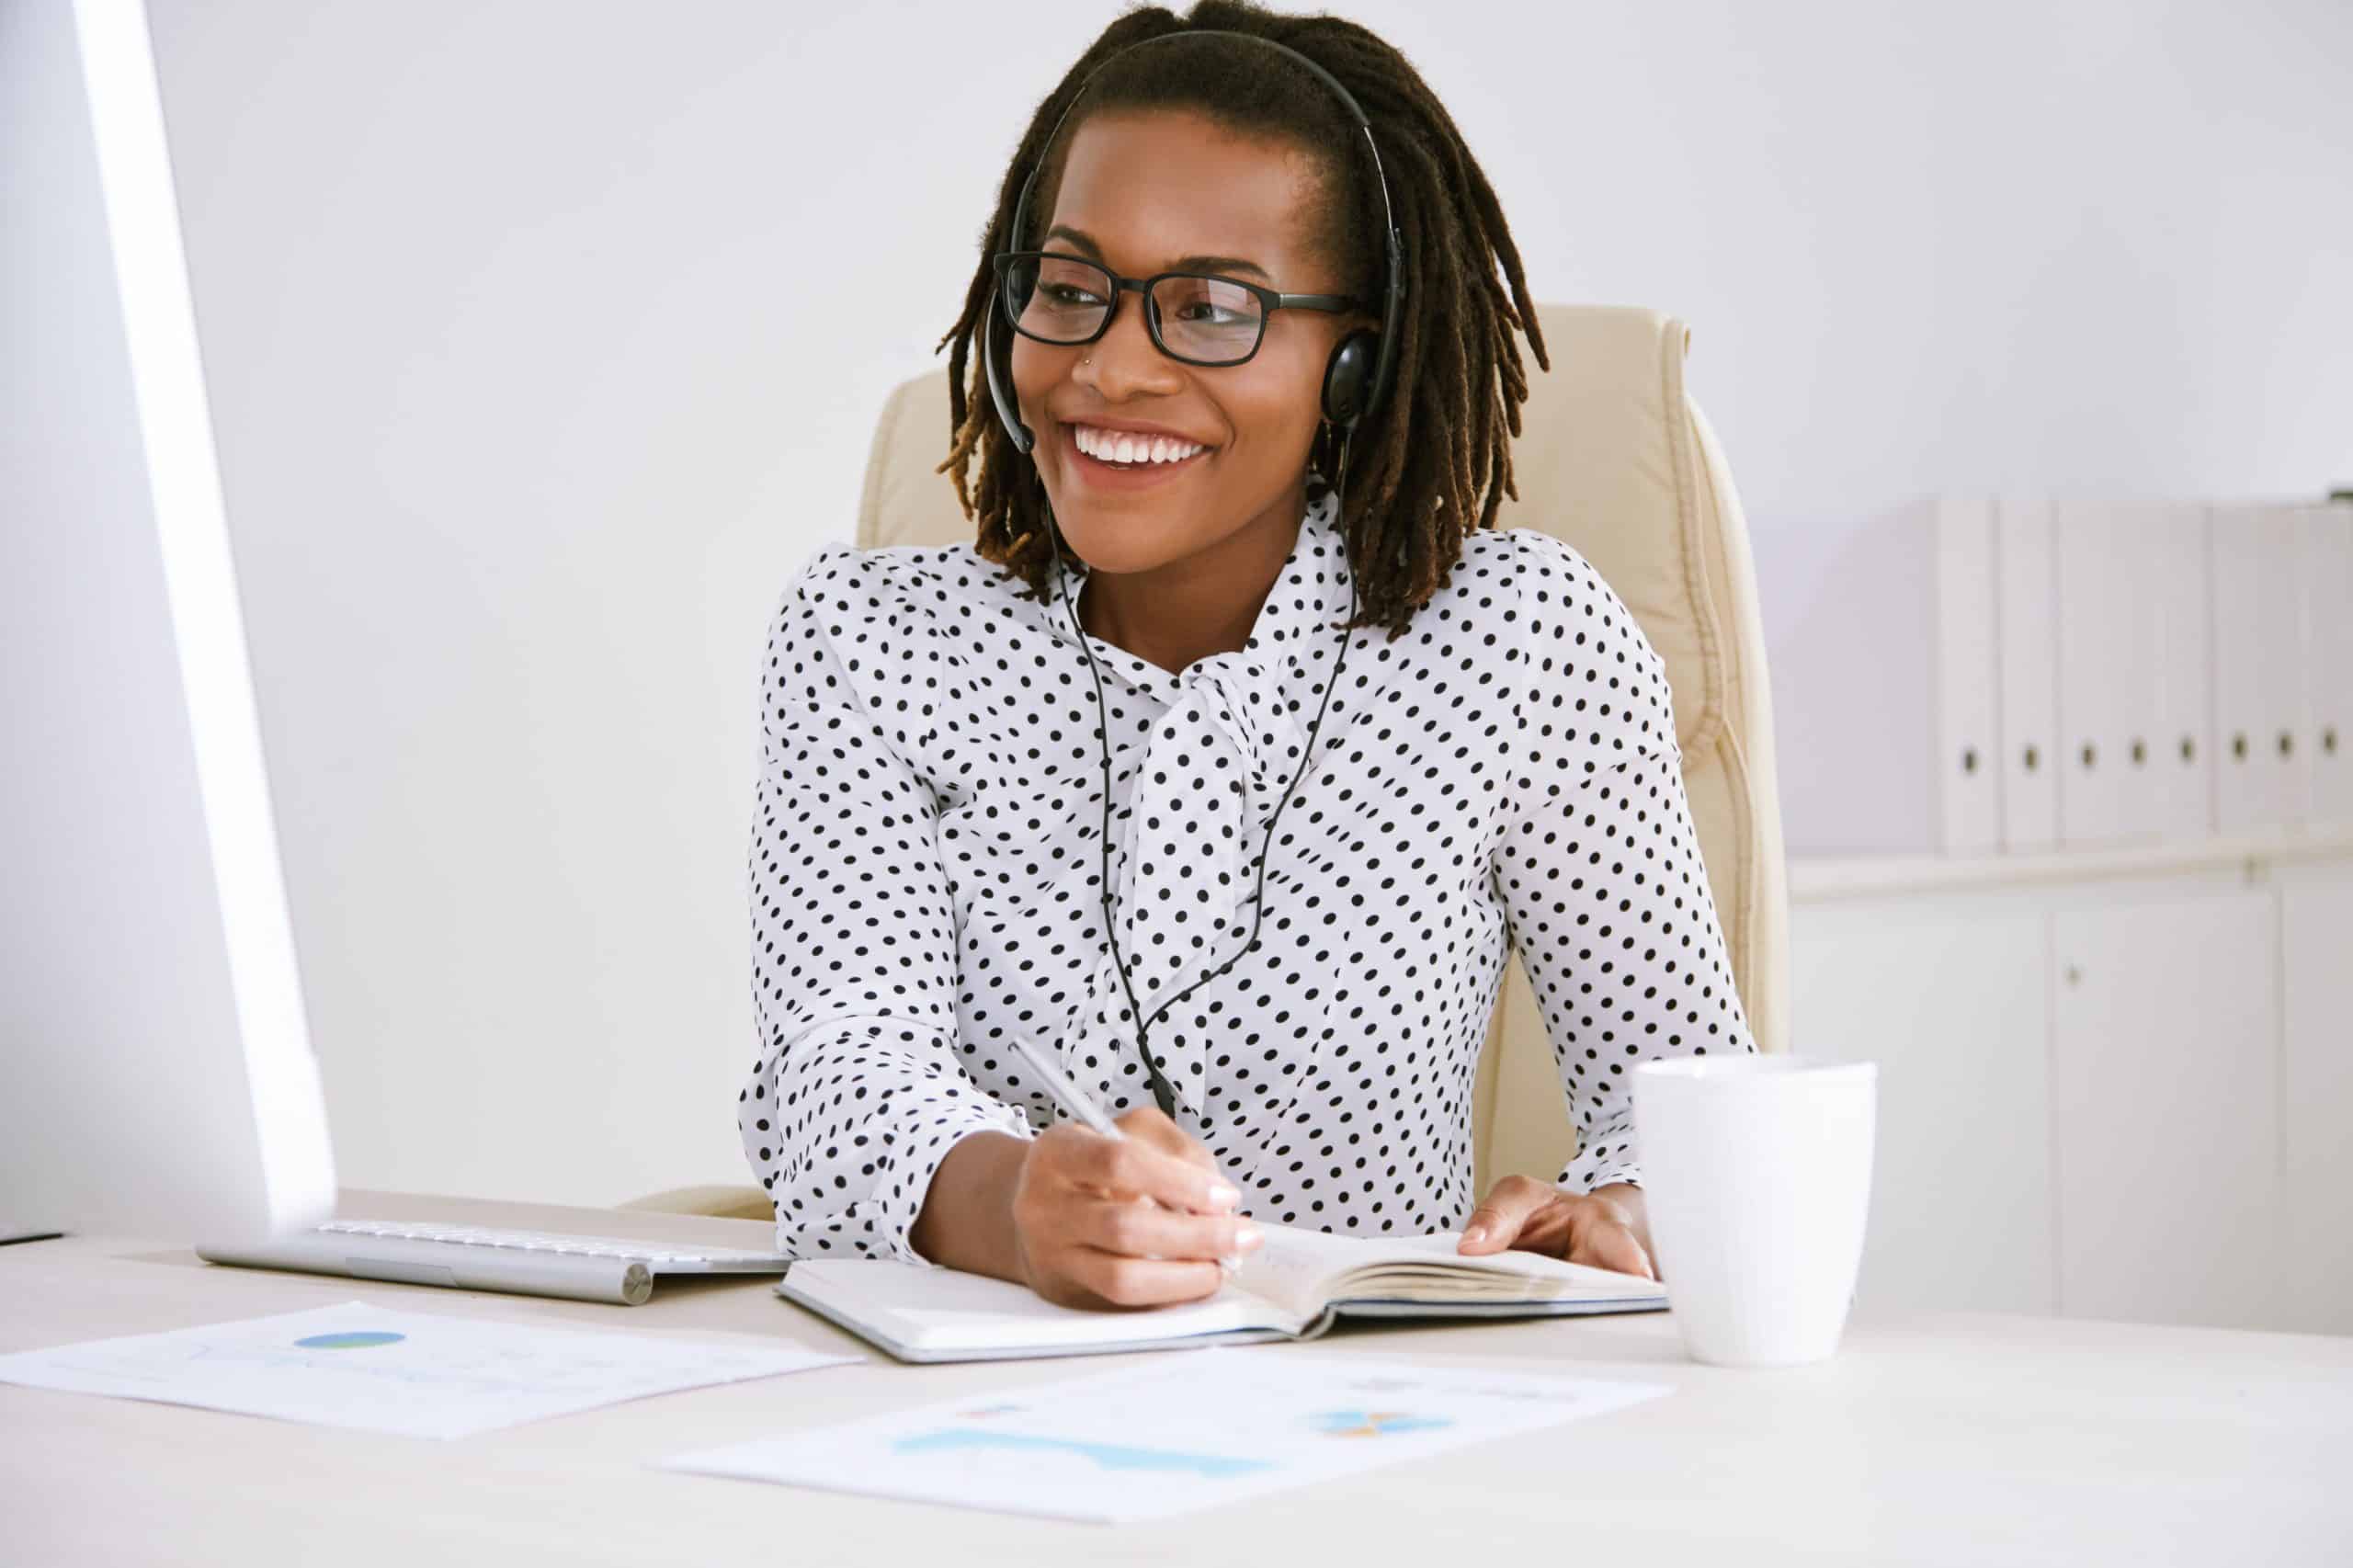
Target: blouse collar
<point>1297,625</point>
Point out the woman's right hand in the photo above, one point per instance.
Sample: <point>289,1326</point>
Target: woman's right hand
<point>1138,1221</point>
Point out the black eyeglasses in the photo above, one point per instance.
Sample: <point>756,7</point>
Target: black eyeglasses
<point>1198,318</point>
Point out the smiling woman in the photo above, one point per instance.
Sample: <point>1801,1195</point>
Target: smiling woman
<point>1221,451</point>
<point>1177,547</point>
<point>1205,150</point>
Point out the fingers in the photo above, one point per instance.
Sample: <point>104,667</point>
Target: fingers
<point>1132,1166</point>
<point>1497,1222</point>
<point>1604,1240</point>
<point>1149,1125</point>
<point>1092,1278</point>
<point>1137,1221</point>
<point>1524,1213</point>
<point>1130,1229</point>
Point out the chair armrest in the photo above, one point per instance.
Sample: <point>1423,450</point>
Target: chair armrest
<point>716,1201</point>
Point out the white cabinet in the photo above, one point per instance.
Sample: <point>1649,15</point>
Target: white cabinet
<point>1956,1014</point>
<point>2317,1111</point>
<point>2113,1086</point>
<point>2165,1110</point>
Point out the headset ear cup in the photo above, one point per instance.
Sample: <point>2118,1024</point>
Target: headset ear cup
<point>1348,377</point>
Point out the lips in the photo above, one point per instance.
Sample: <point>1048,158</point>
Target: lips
<point>1099,474</point>
<point>1109,443</point>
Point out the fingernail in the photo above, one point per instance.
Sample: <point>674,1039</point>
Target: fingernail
<point>1249,1237</point>
<point>1475,1233</point>
<point>1225,1195</point>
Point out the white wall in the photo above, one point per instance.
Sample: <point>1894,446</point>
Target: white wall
<point>533,388</point>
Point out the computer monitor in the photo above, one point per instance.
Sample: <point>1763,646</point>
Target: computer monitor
<point>156,1077</point>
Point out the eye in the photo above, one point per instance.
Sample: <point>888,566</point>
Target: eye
<point>1208,302</point>
<point>1207,313</point>
<point>1218,305</point>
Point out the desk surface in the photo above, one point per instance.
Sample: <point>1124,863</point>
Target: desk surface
<point>1930,1438</point>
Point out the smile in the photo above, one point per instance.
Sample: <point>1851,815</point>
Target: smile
<point>1125,461</point>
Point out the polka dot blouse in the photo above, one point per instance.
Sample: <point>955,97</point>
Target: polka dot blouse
<point>926,871</point>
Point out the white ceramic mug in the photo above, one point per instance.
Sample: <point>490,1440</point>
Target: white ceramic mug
<point>1756,1176</point>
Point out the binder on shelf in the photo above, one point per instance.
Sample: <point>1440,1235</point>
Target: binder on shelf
<point>2026,632</point>
<point>2240,800</point>
<point>2327,546</point>
<point>2287,723</point>
<point>1886,689</point>
<point>2262,777</point>
<point>2181,745</point>
<point>1967,688</point>
<point>2104,576</point>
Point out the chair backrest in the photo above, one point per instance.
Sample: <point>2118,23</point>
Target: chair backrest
<point>1615,458</point>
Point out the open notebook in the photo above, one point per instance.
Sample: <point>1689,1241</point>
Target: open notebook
<point>1293,1288</point>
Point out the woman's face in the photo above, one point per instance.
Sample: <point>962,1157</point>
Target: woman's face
<point>1152,191</point>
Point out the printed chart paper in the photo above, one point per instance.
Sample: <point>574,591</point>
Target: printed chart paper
<point>1190,1430</point>
<point>376,1369</point>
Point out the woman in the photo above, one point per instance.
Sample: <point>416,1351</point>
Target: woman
<point>1107,777</point>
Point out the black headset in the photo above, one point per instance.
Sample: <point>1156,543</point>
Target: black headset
<point>1356,384</point>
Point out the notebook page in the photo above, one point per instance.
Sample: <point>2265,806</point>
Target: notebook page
<point>1302,1270</point>
<point>1541,1268</point>
<point>1297,1269</point>
<point>946,1310</point>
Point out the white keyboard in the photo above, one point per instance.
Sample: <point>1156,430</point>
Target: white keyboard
<point>481,1258</point>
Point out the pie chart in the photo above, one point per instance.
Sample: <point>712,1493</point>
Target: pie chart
<point>357,1339</point>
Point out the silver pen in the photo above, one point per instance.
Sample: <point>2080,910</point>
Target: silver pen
<point>1066,1089</point>
<point>1082,1104</point>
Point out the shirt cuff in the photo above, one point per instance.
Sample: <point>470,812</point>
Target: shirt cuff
<point>882,1223</point>
<point>916,1176</point>
<point>1600,1166</point>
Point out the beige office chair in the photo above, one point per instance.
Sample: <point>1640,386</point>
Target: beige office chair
<point>1615,458</point>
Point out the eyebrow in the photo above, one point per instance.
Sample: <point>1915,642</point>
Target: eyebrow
<point>1086,241</point>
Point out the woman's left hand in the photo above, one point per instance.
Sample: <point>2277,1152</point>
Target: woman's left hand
<point>1537,1216</point>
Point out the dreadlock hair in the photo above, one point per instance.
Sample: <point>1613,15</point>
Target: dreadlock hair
<point>1438,450</point>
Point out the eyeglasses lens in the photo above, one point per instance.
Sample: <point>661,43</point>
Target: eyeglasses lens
<point>1209,321</point>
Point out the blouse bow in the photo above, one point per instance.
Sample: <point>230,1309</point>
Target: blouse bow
<point>1197,803</point>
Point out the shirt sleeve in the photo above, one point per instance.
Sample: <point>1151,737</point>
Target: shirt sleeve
<point>857,1095</point>
<point>1600,874</point>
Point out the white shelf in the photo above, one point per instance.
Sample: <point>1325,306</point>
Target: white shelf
<point>1816,878</point>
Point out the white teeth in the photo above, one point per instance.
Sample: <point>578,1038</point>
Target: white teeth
<point>1113,446</point>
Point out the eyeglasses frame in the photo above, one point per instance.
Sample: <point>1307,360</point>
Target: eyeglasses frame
<point>1270,301</point>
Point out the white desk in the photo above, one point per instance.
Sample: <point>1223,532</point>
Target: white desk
<point>1937,1438</point>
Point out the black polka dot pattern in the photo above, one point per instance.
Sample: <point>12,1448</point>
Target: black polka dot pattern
<point>926,871</point>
